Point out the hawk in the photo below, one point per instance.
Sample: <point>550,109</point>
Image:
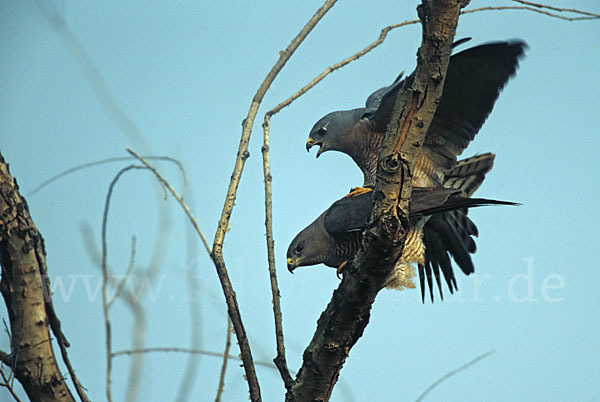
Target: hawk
<point>474,80</point>
<point>335,236</point>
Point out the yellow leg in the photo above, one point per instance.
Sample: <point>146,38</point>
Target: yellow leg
<point>341,269</point>
<point>358,190</point>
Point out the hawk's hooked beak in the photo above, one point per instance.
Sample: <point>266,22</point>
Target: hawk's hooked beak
<point>291,266</point>
<point>309,144</point>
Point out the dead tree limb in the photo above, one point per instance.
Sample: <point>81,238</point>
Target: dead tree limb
<point>24,288</point>
<point>222,227</point>
<point>343,322</point>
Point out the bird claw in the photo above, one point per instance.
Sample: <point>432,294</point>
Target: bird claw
<point>341,269</point>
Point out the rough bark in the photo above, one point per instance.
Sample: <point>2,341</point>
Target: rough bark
<point>23,286</point>
<point>348,312</point>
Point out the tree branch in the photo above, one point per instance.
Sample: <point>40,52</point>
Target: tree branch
<point>452,373</point>
<point>348,313</point>
<point>221,386</point>
<point>242,155</point>
<point>560,10</point>
<point>280,360</point>
<point>8,385</point>
<point>22,256</point>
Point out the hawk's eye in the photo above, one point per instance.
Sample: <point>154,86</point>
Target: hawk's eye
<point>299,247</point>
<point>322,131</point>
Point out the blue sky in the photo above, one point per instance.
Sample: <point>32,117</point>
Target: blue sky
<point>184,74</point>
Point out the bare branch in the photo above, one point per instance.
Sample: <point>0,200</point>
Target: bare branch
<point>535,10</point>
<point>561,10</point>
<point>280,360</point>
<point>179,199</point>
<point>110,160</point>
<point>121,284</point>
<point>139,317</point>
<point>338,65</point>
<point>105,276</point>
<point>386,30</point>
<point>236,176</point>
<point>189,375</point>
<point>343,322</point>
<point>112,109</point>
<point>186,350</point>
<point>55,326</point>
<point>8,386</point>
<point>221,386</point>
<point>24,287</point>
<point>452,373</point>
<point>78,387</point>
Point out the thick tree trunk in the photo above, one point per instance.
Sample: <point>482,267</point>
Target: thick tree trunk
<point>23,286</point>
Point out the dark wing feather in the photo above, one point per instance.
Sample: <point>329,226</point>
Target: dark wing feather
<point>352,213</point>
<point>374,99</point>
<point>442,241</point>
<point>456,202</point>
<point>450,234</point>
<point>436,258</point>
<point>474,80</point>
<point>349,214</point>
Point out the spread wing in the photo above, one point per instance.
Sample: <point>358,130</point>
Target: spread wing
<point>474,80</point>
<point>374,100</point>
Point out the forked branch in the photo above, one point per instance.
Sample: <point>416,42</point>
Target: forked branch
<point>343,322</point>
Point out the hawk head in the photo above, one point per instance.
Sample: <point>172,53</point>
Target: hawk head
<point>310,246</point>
<point>335,131</point>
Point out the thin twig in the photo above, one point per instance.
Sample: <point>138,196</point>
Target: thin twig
<point>138,339</point>
<point>55,325</point>
<point>386,30</point>
<point>110,160</point>
<point>280,360</point>
<point>452,373</point>
<point>562,10</point>
<point>139,316</point>
<point>130,352</point>
<point>225,359</point>
<point>339,65</point>
<point>121,284</point>
<point>535,10</point>
<point>236,176</point>
<point>105,306</point>
<point>189,375</point>
<point>9,386</point>
<point>103,93</point>
<point>174,193</point>
<point>78,387</point>
<point>7,359</point>
<point>138,335</point>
